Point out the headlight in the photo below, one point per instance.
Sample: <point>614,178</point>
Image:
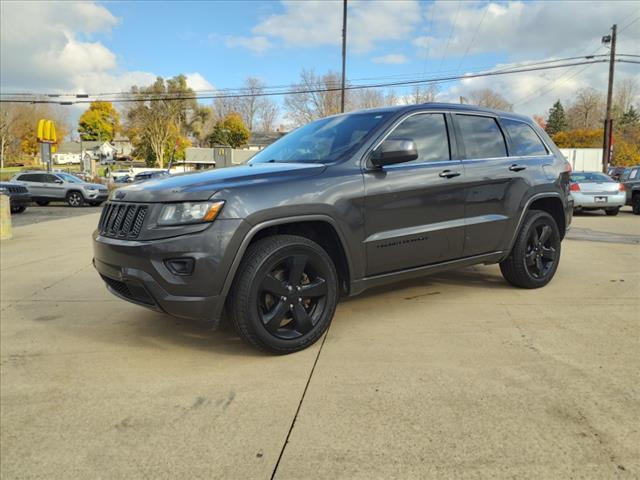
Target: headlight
<point>4,191</point>
<point>91,187</point>
<point>189,212</point>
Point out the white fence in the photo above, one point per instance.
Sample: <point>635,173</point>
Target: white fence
<point>584,159</point>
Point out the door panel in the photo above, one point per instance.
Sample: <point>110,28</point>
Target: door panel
<point>414,211</point>
<point>413,216</point>
<point>496,183</point>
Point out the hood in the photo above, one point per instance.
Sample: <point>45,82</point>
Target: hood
<point>200,186</point>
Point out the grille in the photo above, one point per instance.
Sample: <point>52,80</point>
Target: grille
<point>16,189</point>
<point>133,292</point>
<point>122,220</point>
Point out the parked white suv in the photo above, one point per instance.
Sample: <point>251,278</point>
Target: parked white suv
<point>49,186</point>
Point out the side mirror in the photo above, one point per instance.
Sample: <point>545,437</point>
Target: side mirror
<point>394,150</point>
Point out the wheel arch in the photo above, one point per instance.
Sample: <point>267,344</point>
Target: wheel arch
<point>321,229</point>
<point>550,202</point>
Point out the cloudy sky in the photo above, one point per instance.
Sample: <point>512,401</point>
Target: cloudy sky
<point>105,47</point>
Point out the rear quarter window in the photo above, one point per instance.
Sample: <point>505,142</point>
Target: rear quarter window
<point>524,140</point>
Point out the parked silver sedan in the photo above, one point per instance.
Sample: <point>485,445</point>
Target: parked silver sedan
<point>596,191</point>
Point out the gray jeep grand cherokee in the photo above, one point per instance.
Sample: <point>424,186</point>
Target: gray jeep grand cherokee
<point>342,204</point>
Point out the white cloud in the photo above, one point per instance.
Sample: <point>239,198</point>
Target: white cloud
<point>392,59</point>
<point>47,47</point>
<point>318,23</point>
<point>521,29</point>
<point>197,82</point>
<point>257,44</point>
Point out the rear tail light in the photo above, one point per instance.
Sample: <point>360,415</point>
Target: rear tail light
<point>574,187</point>
<point>621,187</point>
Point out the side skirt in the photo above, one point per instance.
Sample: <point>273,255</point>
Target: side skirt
<point>358,286</point>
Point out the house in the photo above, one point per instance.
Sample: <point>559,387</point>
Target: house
<point>124,148</point>
<point>260,140</point>
<point>74,152</point>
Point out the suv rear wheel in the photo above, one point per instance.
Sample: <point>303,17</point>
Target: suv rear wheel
<point>75,199</point>
<point>635,204</point>
<point>534,259</point>
<point>285,294</point>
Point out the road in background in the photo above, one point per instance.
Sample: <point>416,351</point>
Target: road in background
<point>53,211</point>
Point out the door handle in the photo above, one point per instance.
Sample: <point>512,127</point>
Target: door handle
<point>448,174</point>
<point>516,168</point>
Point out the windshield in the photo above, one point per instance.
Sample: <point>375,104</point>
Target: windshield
<point>324,140</point>
<point>69,178</point>
<point>586,177</point>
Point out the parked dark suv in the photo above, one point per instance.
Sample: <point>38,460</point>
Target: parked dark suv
<point>340,205</point>
<point>630,178</point>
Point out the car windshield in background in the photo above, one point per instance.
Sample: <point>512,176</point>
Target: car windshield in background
<point>69,178</point>
<point>325,140</point>
<point>586,177</point>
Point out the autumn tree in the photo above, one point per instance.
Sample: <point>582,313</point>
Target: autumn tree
<point>579,138</point>
<point>315,96</point>
<point>99,122</point>
<point>489,98</point>
<point>160,115</point>
<point>18,124</point>
<point>231,131</point>
<point>557,119</point>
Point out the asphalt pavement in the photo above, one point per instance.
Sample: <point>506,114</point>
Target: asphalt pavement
<point>453,375</point>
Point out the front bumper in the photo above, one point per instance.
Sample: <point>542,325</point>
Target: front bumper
<point>588,200</point>
<point>136,270</point>
<point>20,199</point>
<point>96,195</point>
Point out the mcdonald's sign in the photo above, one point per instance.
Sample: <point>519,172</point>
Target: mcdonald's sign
<point>47,133</point>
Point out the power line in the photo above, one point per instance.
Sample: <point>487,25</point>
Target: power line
<point>473,38</point>
<point>453,26</point>
<point>240,90</point>
<point>128,99</point>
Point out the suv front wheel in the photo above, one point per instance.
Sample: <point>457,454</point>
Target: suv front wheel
<point>284,295</point>
<point>534,259</point>
<point>75,199</point>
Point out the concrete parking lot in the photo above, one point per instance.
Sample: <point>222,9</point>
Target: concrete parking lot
<point>454,375</point>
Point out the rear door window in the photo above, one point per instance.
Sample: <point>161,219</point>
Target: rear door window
<point>429,133</point>
<point>481,137</point>
<point>32,177</point>
<point>524,139</point>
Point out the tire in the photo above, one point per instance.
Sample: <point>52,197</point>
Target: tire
<point>19,209</point>
<point>42,203</point>
<point>75,199</point>
<point>635,204</point>
<point>284,295</point>
<point>533,261</point>
<point>612,212</point>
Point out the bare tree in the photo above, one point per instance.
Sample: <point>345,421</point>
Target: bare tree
<point>489,98</point>
<point>587,109</point>
<point>367,98</point>
<point>422,94</point>
<point>268,115</point>
<point>223,106</point>
<point>626,91</point>
<point>309,104</point>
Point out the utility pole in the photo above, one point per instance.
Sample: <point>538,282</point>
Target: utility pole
<point>344,51</point>
<point>608,122</point>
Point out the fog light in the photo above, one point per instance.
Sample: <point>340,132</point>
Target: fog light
<point>180,266</point>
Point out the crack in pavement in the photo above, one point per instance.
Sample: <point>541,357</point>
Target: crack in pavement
<point>295,417</point>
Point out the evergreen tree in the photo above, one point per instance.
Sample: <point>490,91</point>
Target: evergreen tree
<point>557,120</point>
<point>630,118</point>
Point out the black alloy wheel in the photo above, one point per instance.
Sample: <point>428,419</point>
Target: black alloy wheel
<point>284,295</point>
<point>292,295</point>
<point>535,255</point>
<point>541,253</point>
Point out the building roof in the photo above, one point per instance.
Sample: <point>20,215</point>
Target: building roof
<point>263,139</point>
